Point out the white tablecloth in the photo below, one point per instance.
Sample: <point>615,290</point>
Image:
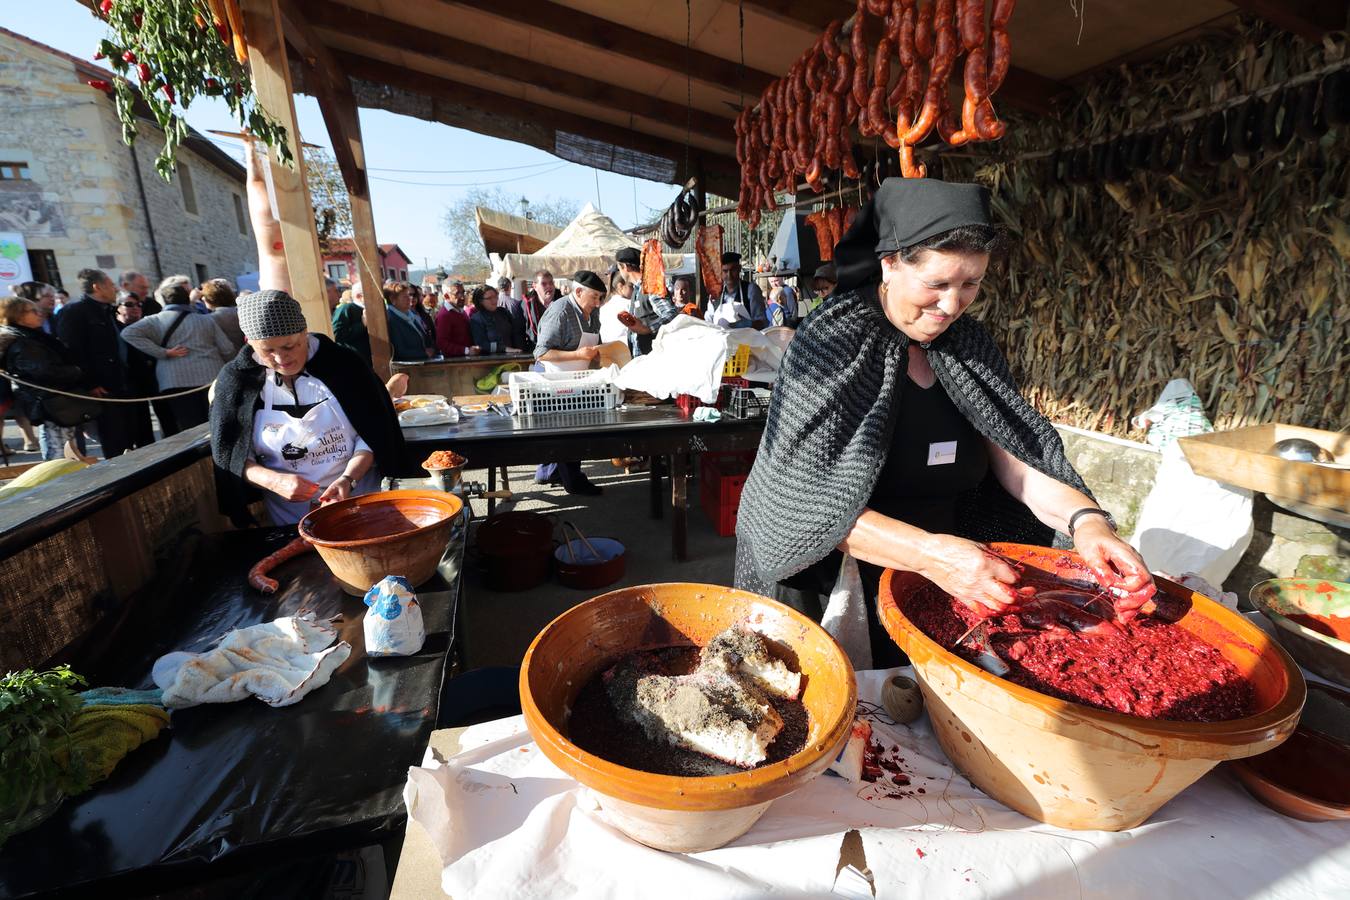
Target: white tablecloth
<point>508,823</point>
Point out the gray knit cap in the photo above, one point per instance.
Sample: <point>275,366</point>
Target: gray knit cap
<point>270,314</point>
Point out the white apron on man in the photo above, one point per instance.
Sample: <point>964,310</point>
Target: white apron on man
<point>587,340</point>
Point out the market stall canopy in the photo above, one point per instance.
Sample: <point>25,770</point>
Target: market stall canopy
<point>588,242</point>
<point>625,87</point>
<point>504,233</point>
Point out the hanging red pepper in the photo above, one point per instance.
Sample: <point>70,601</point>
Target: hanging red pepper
<point>144,71</point>
<point>128,56</point>
<point>136,20</point>
<point>168,92</point>
<point>100,85</point>
<point>105,8</point>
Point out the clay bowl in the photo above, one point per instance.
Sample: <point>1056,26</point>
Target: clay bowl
<point>1326,604</point>
<point>663,811</point>
<point>363,539</point>
<point>1073,765</point>
<point>1308,776</point>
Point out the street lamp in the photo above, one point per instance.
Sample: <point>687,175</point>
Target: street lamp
<point>525,207</point>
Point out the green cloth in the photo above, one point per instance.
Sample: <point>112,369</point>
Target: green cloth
<point>117,696</point>
<point>350,331</point>
<point>101,735</point>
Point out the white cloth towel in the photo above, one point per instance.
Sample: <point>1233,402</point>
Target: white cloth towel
<point>278,662</point>
<point>688,356</point>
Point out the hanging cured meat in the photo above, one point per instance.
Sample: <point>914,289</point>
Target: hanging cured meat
<point>709,249</point>
<point>653,269</point>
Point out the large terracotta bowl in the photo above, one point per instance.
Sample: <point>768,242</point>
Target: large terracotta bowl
<point>1073,765</point>
<point>363,539</point>
<point>665,811</point>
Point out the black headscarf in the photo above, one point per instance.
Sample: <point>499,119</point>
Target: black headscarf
<point>903,212</point>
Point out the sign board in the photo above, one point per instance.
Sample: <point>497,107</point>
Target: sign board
<point>14,268</point>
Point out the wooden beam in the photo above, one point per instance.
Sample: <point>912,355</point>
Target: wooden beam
<point>412,39</point>
<point>1021,89</point>
<point>272,84</point>
<point>327,81</point>
<point>520,120</point>
<point>1309,19</point>
<point>620,40</point>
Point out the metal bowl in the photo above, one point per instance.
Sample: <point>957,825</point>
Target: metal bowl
<point>1301,450</point>
<point>1278,598</point>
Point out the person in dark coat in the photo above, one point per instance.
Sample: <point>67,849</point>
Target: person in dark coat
<point>29,353</point>
<point>492,327</point>
<point>407,341</point>
<point>88,327</point>
<point>142,379</point>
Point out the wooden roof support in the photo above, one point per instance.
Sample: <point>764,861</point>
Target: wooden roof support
<point>1310,19</point>
<point>272,84</point>
<point>488,112</point>
<point>620,40</point>
<point>1022,89</point>
<point>410,38</point>
<point>337,104</point>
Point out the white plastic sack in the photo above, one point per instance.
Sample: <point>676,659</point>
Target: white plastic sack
<point>393,624</point>
<point>1189,523</point>
<point>845,617</point>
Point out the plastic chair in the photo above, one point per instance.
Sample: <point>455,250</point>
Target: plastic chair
<point>480,695</point>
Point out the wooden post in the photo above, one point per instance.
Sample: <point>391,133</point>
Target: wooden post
<point>363,227</point>
<point>272,84</point>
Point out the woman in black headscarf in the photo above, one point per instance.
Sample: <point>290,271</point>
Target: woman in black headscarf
<point>908,441</point>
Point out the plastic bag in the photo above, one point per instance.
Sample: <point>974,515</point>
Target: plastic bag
<point>1176,413</point>
<point>1190,523</point>
<point>393,625</point>
<point>845,617</point>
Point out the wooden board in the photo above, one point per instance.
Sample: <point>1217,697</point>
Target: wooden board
<point>1240,457</point>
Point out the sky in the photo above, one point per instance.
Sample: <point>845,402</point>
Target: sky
<point>416,168</point>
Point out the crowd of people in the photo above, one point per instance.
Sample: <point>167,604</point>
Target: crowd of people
<point>100,363</point>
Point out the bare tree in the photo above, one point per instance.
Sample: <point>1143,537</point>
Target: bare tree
<point>328,194</point>
<point>461,227</point>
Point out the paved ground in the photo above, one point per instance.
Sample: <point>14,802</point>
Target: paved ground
<point>498,627</point>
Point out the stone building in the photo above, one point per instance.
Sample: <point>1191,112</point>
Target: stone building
<point>81,198</point>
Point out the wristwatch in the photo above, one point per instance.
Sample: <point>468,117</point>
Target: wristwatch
<point>351,485</point>
<point>1090,511</point>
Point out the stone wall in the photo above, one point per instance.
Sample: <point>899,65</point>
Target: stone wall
<point>82,200</point>
<point>1120,474</point>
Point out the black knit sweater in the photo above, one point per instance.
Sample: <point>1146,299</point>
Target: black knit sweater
<point>830,423</point>
<point>238,396</point>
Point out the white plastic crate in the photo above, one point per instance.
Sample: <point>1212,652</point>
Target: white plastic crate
<point>541,393</point>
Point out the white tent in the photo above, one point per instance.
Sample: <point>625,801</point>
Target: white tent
<point>588,242</point>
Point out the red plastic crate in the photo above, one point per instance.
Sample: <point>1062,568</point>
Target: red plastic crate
<point>720,485</point>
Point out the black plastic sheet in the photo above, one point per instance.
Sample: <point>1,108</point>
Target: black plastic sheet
<point>243,780</point>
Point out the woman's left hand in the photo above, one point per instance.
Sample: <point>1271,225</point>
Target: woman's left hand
<point>1116,565</point>
<point>339,490</point>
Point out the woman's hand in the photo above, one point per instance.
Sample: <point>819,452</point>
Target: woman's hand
<point>340,489</point>
<point>397,385</point>
<point>176,352</point>
<point>292,487</point>
<point>1116,564</point>
<point>971,573</point>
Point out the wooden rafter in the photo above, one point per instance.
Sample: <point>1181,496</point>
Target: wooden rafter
<point>410,38</point>
<point>491,113</point>
<point>1022,89</point>
<point>1310,19</point>
<point>620,40</point>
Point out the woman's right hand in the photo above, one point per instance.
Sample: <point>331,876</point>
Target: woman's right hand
<point>292,487</point>
<point>970,573</point>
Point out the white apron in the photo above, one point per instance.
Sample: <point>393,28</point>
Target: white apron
<point>317,446</point>
<point>730,311</point>
<point>574,365</point>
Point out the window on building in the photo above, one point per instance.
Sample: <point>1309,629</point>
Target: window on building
<point>14,171</point>
<point>337,271</point>
<point>105,261</point>
<point>239,213</point>
<point>43,264</point>
<point>403,275</point>
<point>185,183</point>
<point>201,273</point>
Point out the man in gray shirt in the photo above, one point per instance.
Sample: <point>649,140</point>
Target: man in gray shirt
<point>189,349</point>
<point>569,340</point>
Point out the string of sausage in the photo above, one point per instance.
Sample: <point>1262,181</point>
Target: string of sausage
<point>257,576</point>
<point>803,124</point>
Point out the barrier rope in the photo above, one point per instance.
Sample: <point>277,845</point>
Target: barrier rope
<point>51,390</point>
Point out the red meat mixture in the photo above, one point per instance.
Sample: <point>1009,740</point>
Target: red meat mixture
<point>1151,669</point>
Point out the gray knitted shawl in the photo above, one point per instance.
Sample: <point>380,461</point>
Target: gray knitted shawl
<point>830,425</point>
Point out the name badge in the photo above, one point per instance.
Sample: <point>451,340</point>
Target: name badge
<point>942,453</point>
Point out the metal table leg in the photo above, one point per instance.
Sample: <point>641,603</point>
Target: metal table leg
<point>679,520</point>
<point>492,486</point>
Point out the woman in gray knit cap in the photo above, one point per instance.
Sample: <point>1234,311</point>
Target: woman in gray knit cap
<point>297,419</point>
<point>907,440</point>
